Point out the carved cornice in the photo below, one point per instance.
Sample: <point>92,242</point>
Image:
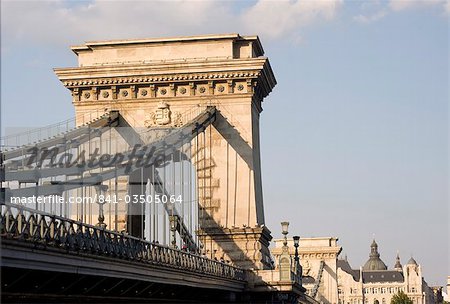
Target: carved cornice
<point>318,256</point>
<point>311,256</point>
<point>312,251</point>
<point>256,73</point>
<point>124,93</point>
<point>158,79</point>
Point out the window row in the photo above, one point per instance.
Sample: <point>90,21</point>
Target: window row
<point>381,290</point>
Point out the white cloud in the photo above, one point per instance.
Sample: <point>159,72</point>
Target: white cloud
<point>277,18</point>
<point>56,22</point>
<point>64,23</point>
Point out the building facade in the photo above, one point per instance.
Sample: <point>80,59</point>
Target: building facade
<point>446,292</point>
<point>332,280</point>
<point>318,258</point>
<point>374,283</point>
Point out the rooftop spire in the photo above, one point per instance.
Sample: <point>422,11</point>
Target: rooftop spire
<point>374,250</point>
<point>374,262</point>
<point>412,261</point>
<point>398,265</point>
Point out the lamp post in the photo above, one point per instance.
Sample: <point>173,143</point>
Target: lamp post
<point>284,231</point>
<point>101,215</point>
<point>298,267</point>
<point>296,241</point>
<point>285,258</point>
<point>173,228</point>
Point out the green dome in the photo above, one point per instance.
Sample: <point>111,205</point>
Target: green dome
<point>374,262</point>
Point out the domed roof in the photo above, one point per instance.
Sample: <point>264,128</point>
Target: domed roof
<point>374,262</point>
<point>412,261</point>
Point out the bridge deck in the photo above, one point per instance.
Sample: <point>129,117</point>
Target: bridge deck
<point>36,242</point>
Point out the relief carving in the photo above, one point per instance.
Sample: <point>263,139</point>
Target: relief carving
<point>306,268</point>
<point>163,116</point>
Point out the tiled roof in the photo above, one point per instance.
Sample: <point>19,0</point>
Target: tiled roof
<point>382,276</point>
<point>345,266</point>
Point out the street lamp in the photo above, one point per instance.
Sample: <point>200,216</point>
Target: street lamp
<point>296,241</point>
<point>173,228</point>
<point>296,257</point>
<point>285,258</point>
<point>284,231</point>
<point>101,215</point>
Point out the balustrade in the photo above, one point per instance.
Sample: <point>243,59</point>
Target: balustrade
<point>29,225</point>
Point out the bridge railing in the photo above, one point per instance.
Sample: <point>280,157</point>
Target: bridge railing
<point>29,225</point>
<point>34,135</point>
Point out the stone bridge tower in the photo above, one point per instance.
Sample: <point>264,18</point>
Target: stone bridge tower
<point>230,72</point>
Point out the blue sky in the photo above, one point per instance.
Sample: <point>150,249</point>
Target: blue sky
<point>354,137</point>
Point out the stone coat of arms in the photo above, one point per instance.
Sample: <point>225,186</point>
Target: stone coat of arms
<point>162,116</point>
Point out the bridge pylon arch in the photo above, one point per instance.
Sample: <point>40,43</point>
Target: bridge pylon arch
<point>151,82</point>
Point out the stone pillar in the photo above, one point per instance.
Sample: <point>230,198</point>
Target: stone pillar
<point>141,78</point>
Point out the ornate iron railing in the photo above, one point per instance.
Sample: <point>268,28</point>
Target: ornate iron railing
<point>29,225</point>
